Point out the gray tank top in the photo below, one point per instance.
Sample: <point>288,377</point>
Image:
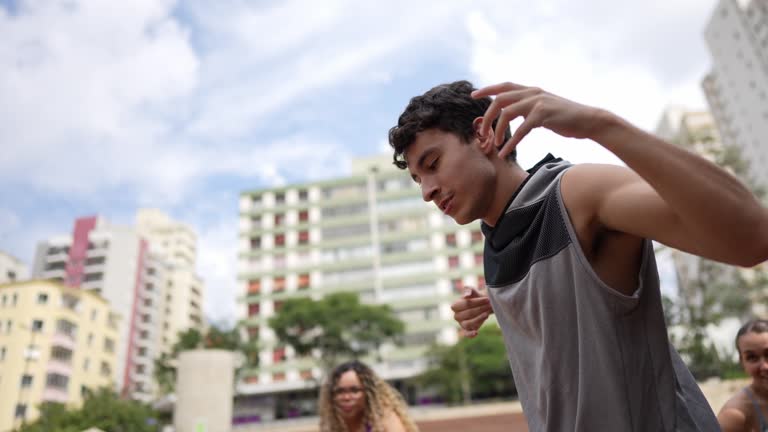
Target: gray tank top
<point>584,356</point>
<point>763,426</point>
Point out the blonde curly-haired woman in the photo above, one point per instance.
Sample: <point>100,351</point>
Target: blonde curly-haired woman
<point>355,399</point>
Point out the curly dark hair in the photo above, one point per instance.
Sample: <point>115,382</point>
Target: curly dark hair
<point>752,326</point>
<point>380,398</point>
<point>447,107</point>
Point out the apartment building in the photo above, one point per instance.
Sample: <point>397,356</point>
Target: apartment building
<point>12,269</point>
<point>736,88</point>
<point>146,272</point>
<point>369,233</point>
<point>55,342</point>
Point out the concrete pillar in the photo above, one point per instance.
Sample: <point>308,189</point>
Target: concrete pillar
<point>204,391</point>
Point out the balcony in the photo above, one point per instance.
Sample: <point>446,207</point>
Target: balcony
<point>54,394</point>
<point>63,340</point>
<point>61,367</point>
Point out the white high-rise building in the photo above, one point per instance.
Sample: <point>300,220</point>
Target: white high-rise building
<point>141,271</point>
<point>737,86</point>
<point>370,233</point>
<point>11,269</point>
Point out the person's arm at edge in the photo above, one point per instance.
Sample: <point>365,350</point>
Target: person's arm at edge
<point>709,206</point>
<point>731,418</point>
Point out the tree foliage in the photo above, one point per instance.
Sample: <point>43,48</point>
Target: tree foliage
<point>334,327</point>
<point>474,368</point>
<point>102,409</point>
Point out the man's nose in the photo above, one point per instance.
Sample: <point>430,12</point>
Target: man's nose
<point>429,190</point>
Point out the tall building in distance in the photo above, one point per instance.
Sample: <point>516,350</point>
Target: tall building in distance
<point>12,269</point>
<point>737,86</point>
<point>146,272</point>
<point>55,342</point>
<point>369,233</point>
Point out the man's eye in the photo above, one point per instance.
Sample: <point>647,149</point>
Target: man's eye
<point>433,165</point>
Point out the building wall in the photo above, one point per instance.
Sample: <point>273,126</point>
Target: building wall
<point>63,338</point>
<point>369,233</point>
<point>737,86</point>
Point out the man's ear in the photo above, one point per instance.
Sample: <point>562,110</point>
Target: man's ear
<point>484,142</point>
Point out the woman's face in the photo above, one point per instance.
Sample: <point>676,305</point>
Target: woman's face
<point>753,348</point>
<point>349,395</point>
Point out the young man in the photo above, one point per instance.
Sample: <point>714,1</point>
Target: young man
<point>568,257</point>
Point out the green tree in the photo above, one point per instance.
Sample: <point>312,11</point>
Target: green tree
<point>474,368</point>
<point>334,327</point>
<point>102,409</point>
<point>214,338</point>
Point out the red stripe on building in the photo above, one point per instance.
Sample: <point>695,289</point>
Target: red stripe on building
<point>143,246</point>
<point>78,252</point>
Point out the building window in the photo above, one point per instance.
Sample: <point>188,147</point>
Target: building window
<point>2,353</point>
<point>279,219</point>
<point>479,259</point>
<point>278,355</point>
<point>477,237</point>
<point>279,284</point>
<point>253,309</point>
<point>5,299</point>
<point>457,284</point>
<point>86,364</point>
<point>21,411</point>
<point>278,376</point>
<point>254,286</point>
<point>450,240</point>
<point>480,283</point>
<point>106,370</point>
<point>26,381</point>
<point>37,325</point>
<point>255,242</point>
<point>306,374</point>
<point>109,345</point>
<point>42,298</point>
<point>143,352</point>
<point>15,299</point>
<point>278,306</point>
<point>280,198</point>
<point>54,380</point>
<point>303,281</point>
<point>303,215</point>
<point>453,262</point>
<point>303,195</point>
<point>94,314</point>
<point>279,239</point>
<point>303,237</point>
<point>8,326</point>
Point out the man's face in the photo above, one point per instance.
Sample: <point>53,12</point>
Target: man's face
<point>456,176</point>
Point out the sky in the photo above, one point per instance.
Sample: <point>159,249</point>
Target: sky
<point>107,107</point>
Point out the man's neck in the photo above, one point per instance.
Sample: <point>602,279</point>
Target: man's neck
<point>510,177</point>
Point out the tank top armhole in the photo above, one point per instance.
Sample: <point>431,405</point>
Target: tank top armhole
<point>622,302</point>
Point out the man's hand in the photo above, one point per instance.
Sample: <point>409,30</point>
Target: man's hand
<point>471,311</point>
<point>539,109</point>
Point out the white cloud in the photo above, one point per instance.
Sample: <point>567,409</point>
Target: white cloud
<point>561,56</point>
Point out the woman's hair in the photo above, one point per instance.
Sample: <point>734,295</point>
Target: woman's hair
<point>380,399</point>
<point>752,326</point>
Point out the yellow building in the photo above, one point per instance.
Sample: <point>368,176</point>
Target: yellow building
<point>55,342</point>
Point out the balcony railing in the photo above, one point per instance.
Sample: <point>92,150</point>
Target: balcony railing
<point>60,367</point>
<point>63,340</point>
<point>54,394</point>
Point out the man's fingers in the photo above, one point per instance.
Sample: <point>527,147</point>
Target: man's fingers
<point>472,313</point>
<point>498,105</point>
<point>496,89</point>
<point>474,323</point>
<point>470,303</point>
<point>527,126</point>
